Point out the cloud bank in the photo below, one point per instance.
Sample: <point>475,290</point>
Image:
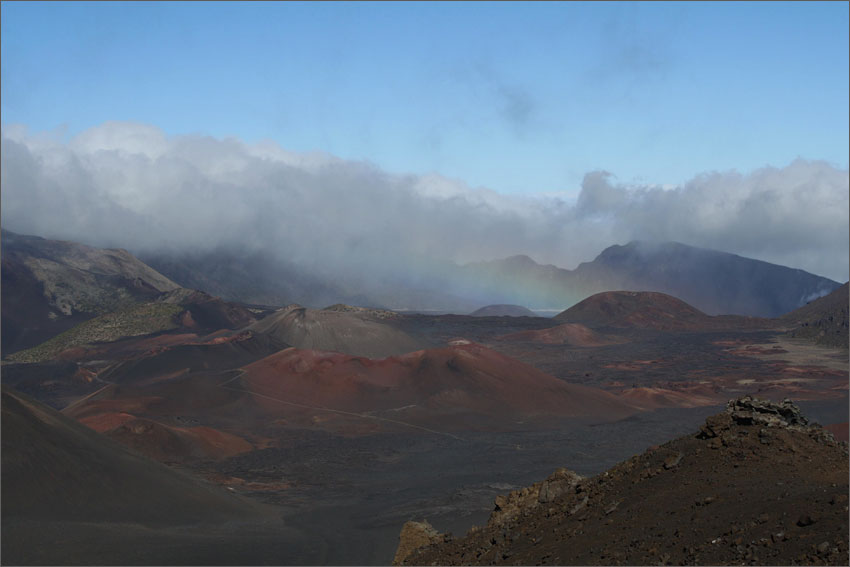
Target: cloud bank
<point>130,185</point>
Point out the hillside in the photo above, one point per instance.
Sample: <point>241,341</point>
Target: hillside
<point>269,279</point>
<point>55,467</point>
<point>134,321</point>
<point>741,490</point>
<point>652,310</point>
<point>74,497</point>
<point>824,320</point>
<point>50,285</point>
<point>646,310</point>
<point>359,332</point>
<point>461,384</point>
<point>715,282</point>
<point>181,308</point>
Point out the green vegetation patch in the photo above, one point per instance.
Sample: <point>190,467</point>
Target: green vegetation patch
<point>139,320</point>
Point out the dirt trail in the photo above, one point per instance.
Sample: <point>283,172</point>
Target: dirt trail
<point>341,412</point>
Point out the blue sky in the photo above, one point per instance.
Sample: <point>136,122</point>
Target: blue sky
<point>516,97</point>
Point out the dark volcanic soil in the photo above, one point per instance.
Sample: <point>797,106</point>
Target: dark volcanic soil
<point>342,483</point>
<point>354,494</point>
<point>71,497</point>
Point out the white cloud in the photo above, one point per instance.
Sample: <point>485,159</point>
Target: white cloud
<point>124,137</point>
<point>132,186</point>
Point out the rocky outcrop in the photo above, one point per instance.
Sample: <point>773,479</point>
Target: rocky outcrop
<point>509,506</point>
<point>749,411</point>
<point>758,484</point>
<point>507,509</point>
<point>415,535</point>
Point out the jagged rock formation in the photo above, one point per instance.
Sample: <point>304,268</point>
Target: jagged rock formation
<point>510,506</point>
<point>753,411</point>
<point>757,484</point>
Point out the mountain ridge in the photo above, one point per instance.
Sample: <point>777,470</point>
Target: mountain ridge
<point>50,286</point>
<point>716,282</point>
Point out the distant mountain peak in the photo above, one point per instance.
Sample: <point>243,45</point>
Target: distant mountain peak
<point>503,310</point>
<point>653,247</point>
<point>520,260</point>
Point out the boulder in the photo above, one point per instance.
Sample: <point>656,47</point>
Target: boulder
<point>562,481</point>
<point>415,535</point>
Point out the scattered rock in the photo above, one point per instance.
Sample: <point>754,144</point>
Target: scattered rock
<point>582,503</point>
<point>673,460</point>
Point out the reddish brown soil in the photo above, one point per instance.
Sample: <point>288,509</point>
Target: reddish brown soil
<point>573,334</point>
<point>110,403</point>
<point>146,416</point>
<point>736,494</point>
<point>467,378</point>
<point>231,338</point>
<point>169,443</point>
<point>103,422</point>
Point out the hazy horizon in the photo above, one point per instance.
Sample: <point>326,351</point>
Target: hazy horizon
<point>131,186</point>
<point>375,138</point>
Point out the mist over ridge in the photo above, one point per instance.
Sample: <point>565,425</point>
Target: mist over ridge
<point>130,185</point>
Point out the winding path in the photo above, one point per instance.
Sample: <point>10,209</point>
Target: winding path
<point>320,408</point>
